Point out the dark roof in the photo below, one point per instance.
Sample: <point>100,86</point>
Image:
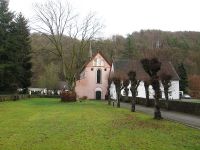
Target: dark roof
<point>167,67</point>
<point>122,67</point>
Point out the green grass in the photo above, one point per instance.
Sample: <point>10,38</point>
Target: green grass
<point>47,124</point>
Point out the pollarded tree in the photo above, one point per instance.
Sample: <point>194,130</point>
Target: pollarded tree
<point>134,85</point>
<point>166,82</point>
<point>151,67</point>
<point>56,20</point>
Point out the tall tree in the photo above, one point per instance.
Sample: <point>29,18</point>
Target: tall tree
<point>7,79</point>
<point>183,78</point>
<point>23,52</point>
<point>57,20</point>
<point>151,67</point>
<point>130,50</point>
<point>15,66</point>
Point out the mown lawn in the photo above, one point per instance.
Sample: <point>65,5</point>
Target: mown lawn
<point>48,124</point>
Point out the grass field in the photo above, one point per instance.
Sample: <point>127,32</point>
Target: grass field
<point>48,124</point>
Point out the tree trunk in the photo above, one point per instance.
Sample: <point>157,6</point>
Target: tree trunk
<point>166,98</point>
<point>133,100</point>
<point>157,112</point>
<point>147,94</point>
<point>71,84</point>
<point>133,105</point>
<point>109,101</point>
<point>108,92</point>
<point>113,103</point>
<point>118,98</point>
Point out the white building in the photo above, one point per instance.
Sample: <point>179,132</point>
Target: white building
<point>122,67</point>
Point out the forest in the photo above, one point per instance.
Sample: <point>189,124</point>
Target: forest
<point>181,48</point>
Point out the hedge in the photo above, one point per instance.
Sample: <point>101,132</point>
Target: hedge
<point>13,97</point>
<point>174,105</point>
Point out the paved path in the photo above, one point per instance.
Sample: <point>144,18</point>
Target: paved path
<point>189,120</point>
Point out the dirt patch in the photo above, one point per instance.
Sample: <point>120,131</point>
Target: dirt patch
<point>128,119</point>
<point>147,124</point>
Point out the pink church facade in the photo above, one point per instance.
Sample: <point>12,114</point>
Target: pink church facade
<point>93,80</point>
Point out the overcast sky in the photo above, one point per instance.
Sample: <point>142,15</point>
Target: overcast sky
<point>126,16</point>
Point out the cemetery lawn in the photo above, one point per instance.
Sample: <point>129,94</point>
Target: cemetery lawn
<point>48,124</point>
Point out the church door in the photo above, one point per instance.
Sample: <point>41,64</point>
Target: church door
<point>98,95</point>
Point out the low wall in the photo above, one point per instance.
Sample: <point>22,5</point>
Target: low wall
<point>179,106</point>
<point>46,96</point>
<point>13,97</point>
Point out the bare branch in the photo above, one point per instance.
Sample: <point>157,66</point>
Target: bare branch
<point>57,22</point>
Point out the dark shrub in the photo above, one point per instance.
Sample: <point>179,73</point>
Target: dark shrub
<point>68,96</point>
<point>84,98</point>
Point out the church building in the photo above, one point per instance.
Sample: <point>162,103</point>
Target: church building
<point>92,82</point>
<point>93,79</point>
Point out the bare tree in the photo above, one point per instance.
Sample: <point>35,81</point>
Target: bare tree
<point>134,85</point>
<point>56,21</point>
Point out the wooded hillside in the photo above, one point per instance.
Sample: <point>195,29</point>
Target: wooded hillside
<point>177,47</point>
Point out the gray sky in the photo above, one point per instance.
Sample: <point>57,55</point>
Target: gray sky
<point>125,16</point>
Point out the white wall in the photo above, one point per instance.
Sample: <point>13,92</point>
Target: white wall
<point>142,93</point>
<point>173,91</point>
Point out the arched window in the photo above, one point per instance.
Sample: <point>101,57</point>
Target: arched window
<point>98,76</point>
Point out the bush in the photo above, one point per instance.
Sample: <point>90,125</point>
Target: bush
<point>68,96</point>
<point>84,98</point>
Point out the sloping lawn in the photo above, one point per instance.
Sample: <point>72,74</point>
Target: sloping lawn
<point>48,124</point>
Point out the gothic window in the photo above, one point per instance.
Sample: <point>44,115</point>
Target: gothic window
<point>98,76</point>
